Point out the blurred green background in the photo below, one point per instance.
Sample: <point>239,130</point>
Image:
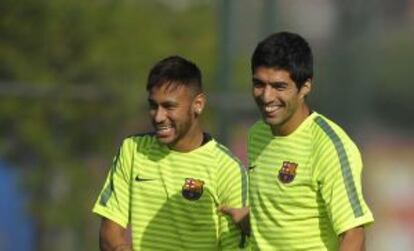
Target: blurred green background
<point>72,85</point>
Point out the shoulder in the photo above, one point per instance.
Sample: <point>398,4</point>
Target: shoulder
<point>257,127</point>
<point>327,135</point>
<point>223,155</point>
<point>138,141</point>
<point>324,128</point>
<point>258,131</point>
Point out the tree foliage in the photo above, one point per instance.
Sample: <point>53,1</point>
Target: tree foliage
<point>72,76</point>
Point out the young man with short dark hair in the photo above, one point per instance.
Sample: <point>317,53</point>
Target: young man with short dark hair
<point>167,185</point>
<point>305,172</point>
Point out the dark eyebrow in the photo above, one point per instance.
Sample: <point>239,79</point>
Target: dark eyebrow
<point>166,103</point>
<point>257,81</point>
<point>277,83</point>
<point>169,103</point>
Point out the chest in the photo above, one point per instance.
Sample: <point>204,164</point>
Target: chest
<point>282,171</point>
<point>175,181</point>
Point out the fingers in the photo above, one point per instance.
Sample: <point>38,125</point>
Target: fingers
<point>225,210</point>
<point>237,214</point>
<point>240,217</point>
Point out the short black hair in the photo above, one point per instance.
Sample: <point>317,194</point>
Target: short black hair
<point>287,51</point>
<point>175,70</point>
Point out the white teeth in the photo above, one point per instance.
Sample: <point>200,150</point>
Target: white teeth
<point>164,131</point>
<point>271,108</point>
<point>163,128</point>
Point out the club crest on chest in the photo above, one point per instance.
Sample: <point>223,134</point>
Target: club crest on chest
<point>192,189</point>
<point>287,172</point>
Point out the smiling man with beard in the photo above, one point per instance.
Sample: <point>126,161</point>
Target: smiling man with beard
<point>167,185</point>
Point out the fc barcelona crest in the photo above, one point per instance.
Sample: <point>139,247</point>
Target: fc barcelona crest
<point>192,189</point>
<point>287,172</point>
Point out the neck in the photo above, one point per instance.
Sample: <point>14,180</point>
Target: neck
<point>292,123</point>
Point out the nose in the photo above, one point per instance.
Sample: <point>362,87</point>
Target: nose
<point>267,94</point>
<point>158,115</point>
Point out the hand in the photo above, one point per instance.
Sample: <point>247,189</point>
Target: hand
<point>240,217</point>
<point>237,214</point>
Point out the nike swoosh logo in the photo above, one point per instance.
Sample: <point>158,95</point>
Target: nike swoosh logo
<point>252,167</point>
<point>141,179</point>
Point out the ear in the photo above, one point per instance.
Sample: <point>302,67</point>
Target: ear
<point>305,89</point>
<point>199,103</point>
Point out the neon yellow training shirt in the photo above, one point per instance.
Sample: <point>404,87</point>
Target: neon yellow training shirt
<point>171,198</point>
<point>305,188</point>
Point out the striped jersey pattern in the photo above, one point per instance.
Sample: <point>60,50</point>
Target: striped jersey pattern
<point>305,188</point>
<point>170,199</point>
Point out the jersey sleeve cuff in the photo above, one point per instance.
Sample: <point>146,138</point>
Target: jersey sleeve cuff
<point>362,221</point>
<point>104,212</point>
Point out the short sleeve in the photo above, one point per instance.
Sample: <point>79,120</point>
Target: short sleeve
<point>113,201</point>
<point>232,192</point>
<point>339,178</point>
<point>232,184</point>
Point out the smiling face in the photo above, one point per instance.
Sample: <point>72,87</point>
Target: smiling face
<point>174,111</point>
<point>279,100</point>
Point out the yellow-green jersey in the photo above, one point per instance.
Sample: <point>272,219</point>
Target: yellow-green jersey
<point>170,199</point>
<point>305,188</point>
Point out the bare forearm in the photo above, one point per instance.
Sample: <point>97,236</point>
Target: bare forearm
<point>353,240</point>
<point>105,246</point>
<point>112,237</point>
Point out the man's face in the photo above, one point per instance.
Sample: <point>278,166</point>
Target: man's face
<point>277,96</point>
<point>172,111</point>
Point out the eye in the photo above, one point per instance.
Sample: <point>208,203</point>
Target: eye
<point>257,83</point>
<point>280,86</point>
<point>152,105</point>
